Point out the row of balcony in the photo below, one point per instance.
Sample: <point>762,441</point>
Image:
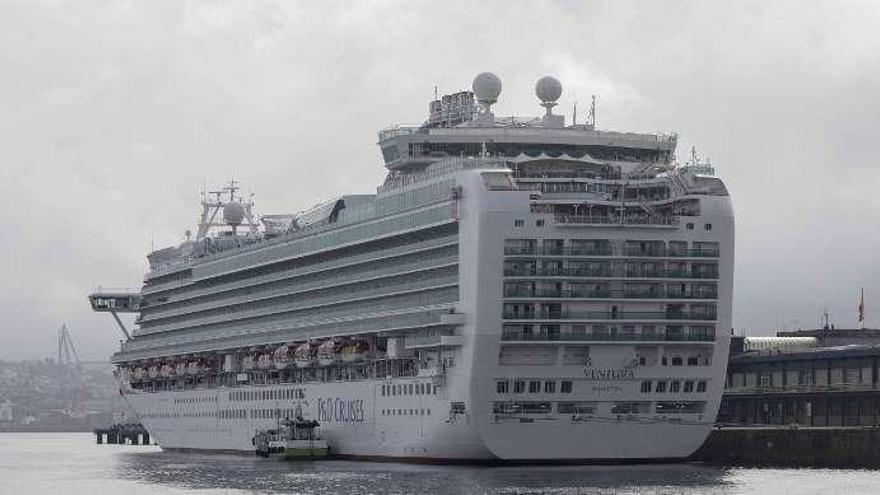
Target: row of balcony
<point>607,251</point>
<point>611,294</point>
<point>609,273</point>
<point>669,335</point>
<point>573,314</point>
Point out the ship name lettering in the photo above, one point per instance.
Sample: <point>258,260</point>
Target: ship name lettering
<point>609,374</point>
<point>336,410</point>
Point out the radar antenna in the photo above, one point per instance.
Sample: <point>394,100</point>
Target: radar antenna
<point>235,210</point>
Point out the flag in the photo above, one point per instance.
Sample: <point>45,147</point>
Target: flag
<point>862,308</point>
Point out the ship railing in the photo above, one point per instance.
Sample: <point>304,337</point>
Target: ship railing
<point>670,220</point>
<point>444,167</point>
<point>609,315</point>
<point>521,336</point>
<point>800,388</point>
<point>609,294</point>
<point>606,273</point>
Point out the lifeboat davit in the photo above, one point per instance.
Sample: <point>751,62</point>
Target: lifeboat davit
<point>281,357</point>
<point>355,351</point>
<point>304,355</point>
<point>328,352</point>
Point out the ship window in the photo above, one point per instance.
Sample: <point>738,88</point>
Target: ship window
<point>663,361</point>
<point>690,226</point>
<point>550,387</point>
<point>689,386</point>
<point>677,361</point>
<point>646,386</point>
<point>701,386</point>
<point>693,361</point>
<point>519,386</point>
<point>534,387</point>
<point>565,387</point>
<point>674,386</point>
<point>661,387</point>
<point>501,387</point>
<point>539,223</point>
<point>411,387</point>
<point>518,223</point>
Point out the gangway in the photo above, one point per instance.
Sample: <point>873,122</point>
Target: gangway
<point>116,301</point>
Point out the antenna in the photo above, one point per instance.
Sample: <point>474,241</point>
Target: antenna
<point>435,92</point>
<point>574,114</point>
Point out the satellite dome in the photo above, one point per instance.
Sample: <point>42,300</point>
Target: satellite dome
<point>548,89</point>
<point>487,87</point>
<point>233,213</point>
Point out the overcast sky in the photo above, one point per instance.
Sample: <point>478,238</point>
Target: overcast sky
<point>113,114</point>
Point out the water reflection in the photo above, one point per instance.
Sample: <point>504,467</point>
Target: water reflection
<point>245,473</point>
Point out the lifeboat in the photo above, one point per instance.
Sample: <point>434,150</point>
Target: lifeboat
<point>166,370</point>
<point>247,362</point>
<point>328,352</point>
<point>153,372</point>
<point>281,357</point>
<point>355,351</point>
<point>138,373</point>
<point>265,361</point>
<point>193,367</point>
<point>180,368</point>
<point>304,355</point>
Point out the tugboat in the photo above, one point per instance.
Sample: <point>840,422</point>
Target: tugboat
<point>293,439</point>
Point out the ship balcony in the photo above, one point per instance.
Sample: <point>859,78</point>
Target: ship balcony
<point>608,294</point>
<point>609,273</point>
<point>115,300</point>
<point>669,335</point>
<point>609,315</point>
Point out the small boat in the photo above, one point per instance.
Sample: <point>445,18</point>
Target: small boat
<point>304,355</point>
<point>328,352</point>
<point>355,351</point>
<point>293,439</point>
<point>281,357</point>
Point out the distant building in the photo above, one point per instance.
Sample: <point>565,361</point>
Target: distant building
<point>5,410</point>
<point>822,377</point>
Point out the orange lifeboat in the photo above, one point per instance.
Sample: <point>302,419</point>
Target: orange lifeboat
<point>355,351</point>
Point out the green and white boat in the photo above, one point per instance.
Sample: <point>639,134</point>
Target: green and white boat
<point>293,439</point>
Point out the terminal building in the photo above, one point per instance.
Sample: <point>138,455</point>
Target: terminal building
<point>821,377</point>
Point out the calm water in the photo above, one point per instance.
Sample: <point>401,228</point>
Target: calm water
<point>70,463</point>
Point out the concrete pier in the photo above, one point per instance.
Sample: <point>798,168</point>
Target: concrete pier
<point>135,434</point>
<point>842,447</point>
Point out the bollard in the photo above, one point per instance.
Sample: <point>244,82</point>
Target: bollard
<point>100,437</point>
<point>146,438</point>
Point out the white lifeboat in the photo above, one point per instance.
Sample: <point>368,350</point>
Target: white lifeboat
<point>355,351</point>
<point>166,370</point>
<point>304,355</point>
<point>193,367</point>
<point>153,372</point>
<point>281,357</point>
<point>328,352</point>
<point>264,362</point>
<point>138,373</point>
<point>247,362</point>
<point>180,368</point>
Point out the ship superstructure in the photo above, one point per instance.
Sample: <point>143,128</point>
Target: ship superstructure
<point>516,289</point>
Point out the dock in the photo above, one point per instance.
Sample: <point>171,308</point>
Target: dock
<point>127,433</point>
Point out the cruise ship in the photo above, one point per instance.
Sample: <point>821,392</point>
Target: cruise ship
<point>519,289</point>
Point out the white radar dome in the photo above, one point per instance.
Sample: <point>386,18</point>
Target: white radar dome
<point>548,89</point>
<point>487,87</point>
<point>233,213</point>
